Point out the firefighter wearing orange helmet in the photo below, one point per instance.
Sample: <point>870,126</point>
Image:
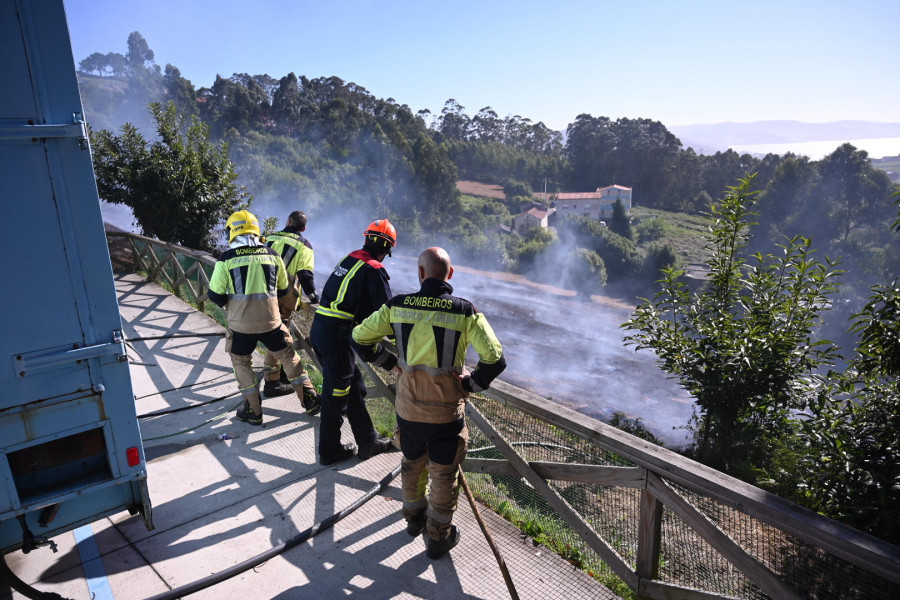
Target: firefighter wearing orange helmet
<point>356,288</point>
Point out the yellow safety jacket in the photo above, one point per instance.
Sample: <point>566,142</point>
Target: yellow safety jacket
<point>433,329</point>
<point>247,282</point>
<point>297,254</point>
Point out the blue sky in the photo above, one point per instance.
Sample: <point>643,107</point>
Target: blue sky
<point>680,61</point>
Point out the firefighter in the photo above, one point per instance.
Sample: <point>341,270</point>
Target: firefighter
<point>433,330</point>
<point>247,280</point>
<point>297,254</point>
<point>357,287</point>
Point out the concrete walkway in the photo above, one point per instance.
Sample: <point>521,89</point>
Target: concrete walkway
<point>224,491</point>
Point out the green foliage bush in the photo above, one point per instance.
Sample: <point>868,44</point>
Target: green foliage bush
<point>743,345</point>
<point>180,187</point>
<point>513,188</point>
<point>651,230</point>
<point>585,271</point>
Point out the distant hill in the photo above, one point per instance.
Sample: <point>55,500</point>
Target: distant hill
<point>720,136</point>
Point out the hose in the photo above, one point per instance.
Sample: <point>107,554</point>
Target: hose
<point>175,336</point>
<point>169,411</point>
<point>301,537</point>
<point>187,429</point>
<point>23,588</point>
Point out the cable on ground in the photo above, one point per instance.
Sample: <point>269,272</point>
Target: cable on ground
<point>23,588</point>
<point>301,537</point>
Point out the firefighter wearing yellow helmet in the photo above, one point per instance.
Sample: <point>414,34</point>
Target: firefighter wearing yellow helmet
<point>356,288</point>
<point>247,281</point>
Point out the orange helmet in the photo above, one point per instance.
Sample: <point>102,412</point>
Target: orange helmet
<point>383,229</point>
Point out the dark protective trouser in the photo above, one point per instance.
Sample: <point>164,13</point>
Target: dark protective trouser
<point>343,388</point>
<point>240,347</point>
<point>435,451</point>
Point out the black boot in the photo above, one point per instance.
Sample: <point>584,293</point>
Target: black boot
<point>246,414</point>
<point>346,451</point>
<point>312,402</point>
<point>367,451</point>
<point>277,388</point>
<point>416,523</point>
<point>436,549</point>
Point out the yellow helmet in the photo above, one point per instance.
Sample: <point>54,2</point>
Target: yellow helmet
<point>241,222</point>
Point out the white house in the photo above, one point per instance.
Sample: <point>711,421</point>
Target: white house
<point>534,217</point>
<point>595,205</point>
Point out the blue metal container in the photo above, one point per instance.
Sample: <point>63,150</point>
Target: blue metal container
<point>70,446</point>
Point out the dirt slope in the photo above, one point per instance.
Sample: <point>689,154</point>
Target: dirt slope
<point>485,190</point>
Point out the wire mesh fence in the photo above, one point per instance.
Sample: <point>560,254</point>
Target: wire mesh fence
<point>686,559</point>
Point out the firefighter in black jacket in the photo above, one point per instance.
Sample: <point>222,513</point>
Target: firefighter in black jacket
<point>297,254</point>
<point>357,287</point>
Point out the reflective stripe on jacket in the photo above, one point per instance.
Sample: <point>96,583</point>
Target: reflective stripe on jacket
<point>433,330</point>
<point>297,254</point>
<point>356,288</point>
<point>247,281</point>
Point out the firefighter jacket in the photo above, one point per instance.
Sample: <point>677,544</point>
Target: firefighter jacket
<point>247,282</point>
<point>356,288</point>
<point>297,254</point>
<point>433,330</point>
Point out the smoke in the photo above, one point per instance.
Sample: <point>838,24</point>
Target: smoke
<point>555,344</point>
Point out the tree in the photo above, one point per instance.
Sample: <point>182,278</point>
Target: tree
<point>620,223</point>
<point>139,55</point>
<point>436,179</point>
<point>487,125</point>
<point>513,188</point>
<point>117,64</point>
<point>180,187</point>
<point>638,153</point>
<point>854,474</point>
<point>454,124</point>
<point>95,62</point>
<point>743,345</point>
<point>180,91</point>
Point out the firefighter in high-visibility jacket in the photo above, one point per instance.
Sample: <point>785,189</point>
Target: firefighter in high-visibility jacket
<point>433,330</point>
<point>357,287</point>
<point>297,254</point>
<point>247,280</point>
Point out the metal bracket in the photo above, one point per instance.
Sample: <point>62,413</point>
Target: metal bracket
<point>28,363</point>
<point>30,131</point>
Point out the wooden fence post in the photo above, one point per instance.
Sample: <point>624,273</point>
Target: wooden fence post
<point>649,537</point>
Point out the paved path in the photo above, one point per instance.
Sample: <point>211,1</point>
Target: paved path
<point>218,502</point>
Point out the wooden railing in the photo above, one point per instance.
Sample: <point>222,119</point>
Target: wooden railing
<point>664,480</point>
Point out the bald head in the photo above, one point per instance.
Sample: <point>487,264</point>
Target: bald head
<point>434,263</point>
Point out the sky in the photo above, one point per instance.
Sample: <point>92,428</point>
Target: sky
<point>680,62</point>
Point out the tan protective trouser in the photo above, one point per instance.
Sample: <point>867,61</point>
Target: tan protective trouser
<point>272,365</point>
<point>246,377</point>
<point>444,492</point>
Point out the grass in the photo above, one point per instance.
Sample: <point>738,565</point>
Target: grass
<point>525,509</point>
<point>687,234</point>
